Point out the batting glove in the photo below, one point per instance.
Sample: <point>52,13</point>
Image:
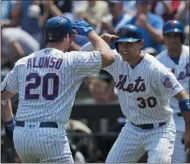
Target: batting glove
<point>82,27</point>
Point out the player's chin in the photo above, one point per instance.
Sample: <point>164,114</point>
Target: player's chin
<point>125,57</point>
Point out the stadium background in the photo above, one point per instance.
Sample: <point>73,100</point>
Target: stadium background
<point>95,120</point>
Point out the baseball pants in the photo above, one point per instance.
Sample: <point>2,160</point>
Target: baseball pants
<point>35,144</point>
<point>133,142</point>
<point>179,155</point>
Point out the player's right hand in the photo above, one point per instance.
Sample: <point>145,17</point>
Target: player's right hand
<point>82,27</point>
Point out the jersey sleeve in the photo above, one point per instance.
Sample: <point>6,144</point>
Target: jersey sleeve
<point>165,82</point>
<point>86,63</point>
<point>111,68</point>
<point>10,83</point>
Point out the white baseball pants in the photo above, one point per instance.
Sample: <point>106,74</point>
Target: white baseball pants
<point>179,155</point>
<point>133,142</point>
<point>34,144</point>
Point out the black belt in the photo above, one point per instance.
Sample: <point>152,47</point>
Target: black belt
<point>42,124</point>
<point>179,114</point>
<point>149,126</point>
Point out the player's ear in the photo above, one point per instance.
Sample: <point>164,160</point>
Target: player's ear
<point>68,37</point>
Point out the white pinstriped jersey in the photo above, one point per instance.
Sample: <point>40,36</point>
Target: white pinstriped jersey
<point>144,91</point>
<point>181,71</point>
<point>47,82</point>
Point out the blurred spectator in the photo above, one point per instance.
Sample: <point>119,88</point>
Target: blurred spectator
<point>183,13</point>
<point>64,6</point>
<point>93,12</point>
<point>129,6</point>
<point>6,8</point>
<point>102,87</point>
<point>27,14</point>
<point>183,16</point>
<point>166,9</point>
<point>187,39</point>
<point>16,43</point>
<point>57,7</point>
<point>150,23</point>
<point>115,19</point>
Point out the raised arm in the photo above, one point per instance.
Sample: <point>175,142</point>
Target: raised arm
<point>108,38</point>
<point>83,28</point>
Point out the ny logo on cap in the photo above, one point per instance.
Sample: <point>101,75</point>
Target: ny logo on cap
<point>172,23</point>
<point>123,32</point>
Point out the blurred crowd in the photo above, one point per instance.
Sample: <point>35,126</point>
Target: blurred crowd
<point>22,24</point>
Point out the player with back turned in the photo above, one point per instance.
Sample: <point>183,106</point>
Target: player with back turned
<point>176,57</point>
<point>47,81</point>
<point>144,87</point>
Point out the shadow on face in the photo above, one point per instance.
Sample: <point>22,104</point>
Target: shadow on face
<point>143,7</point>
<point>172,40</point>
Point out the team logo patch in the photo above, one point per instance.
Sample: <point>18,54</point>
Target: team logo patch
<point>172,23</point>
<point>167,81</point>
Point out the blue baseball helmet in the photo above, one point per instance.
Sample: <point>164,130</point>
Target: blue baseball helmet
<point>174,26</point>
<point>129,33</point>
<point>56,28</point>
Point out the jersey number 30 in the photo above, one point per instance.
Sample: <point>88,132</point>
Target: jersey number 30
<point>143,103</point>
<point>44,81</point>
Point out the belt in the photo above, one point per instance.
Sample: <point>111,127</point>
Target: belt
<point>179,114</point>
<point>150,126</point>
<point>42,124</point>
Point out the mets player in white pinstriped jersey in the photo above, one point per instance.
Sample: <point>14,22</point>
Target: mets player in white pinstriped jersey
<point>144,88</point>
<point>47,81</point>
<point>176,57</point>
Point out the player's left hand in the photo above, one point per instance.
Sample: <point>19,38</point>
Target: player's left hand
<point>186,138</point>
<point>82,27</point>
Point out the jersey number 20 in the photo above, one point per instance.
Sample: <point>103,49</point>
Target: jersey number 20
<point>44,81</point>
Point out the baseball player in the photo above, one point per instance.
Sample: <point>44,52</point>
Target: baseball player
<point>144,88</point>
<point>47,81</point>
<point>176,57</point>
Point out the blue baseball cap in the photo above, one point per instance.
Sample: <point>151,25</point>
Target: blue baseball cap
<point>129,33</point>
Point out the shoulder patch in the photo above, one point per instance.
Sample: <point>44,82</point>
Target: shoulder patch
<point>167,81</point>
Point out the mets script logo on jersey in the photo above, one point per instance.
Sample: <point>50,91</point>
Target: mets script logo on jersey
<point>138,86</point>
<point>167,81</point>
<point>183,74</point>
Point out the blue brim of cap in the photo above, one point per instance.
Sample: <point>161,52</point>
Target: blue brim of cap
<point>173,30</point>
<point>127,40</point>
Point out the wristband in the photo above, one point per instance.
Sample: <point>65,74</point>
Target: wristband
<point>184,105</point>
<point>10,124</point>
